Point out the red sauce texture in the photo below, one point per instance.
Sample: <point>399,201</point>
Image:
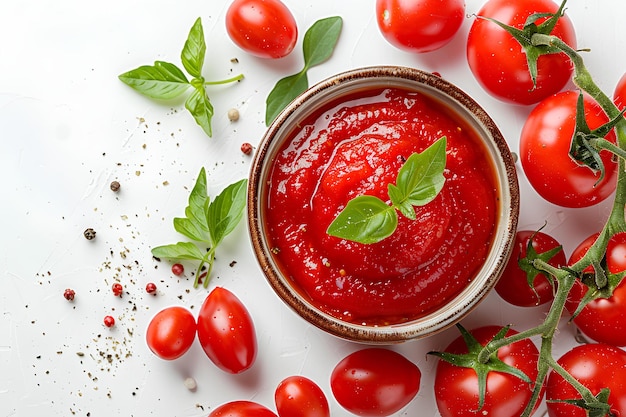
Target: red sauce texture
<point>356,146</point>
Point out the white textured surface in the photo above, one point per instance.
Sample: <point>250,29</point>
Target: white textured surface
<point>69,127</point>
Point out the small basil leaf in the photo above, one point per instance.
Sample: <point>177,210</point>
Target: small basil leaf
<point>160,81</point>
<point>421,177</point>
<point>199,202</point>
<point>226,210</point>
<point>194,50</point>
<point>283,93</point>
<point>397,199</point>
<point>365,219</point>
<point>201,109</point>
<point>180,251</point>
<point>320,40</point>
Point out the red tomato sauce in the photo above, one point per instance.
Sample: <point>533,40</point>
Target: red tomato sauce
<point>356,146</point>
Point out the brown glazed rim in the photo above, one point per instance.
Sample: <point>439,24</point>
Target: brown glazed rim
<point>473,114</point>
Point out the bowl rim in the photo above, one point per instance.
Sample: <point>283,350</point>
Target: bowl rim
<point>508,212</point>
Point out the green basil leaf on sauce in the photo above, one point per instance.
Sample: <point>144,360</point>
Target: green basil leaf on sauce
<point>226,210</point>
<point>194,50</point>
<point>162,80</point>
<point>365,219</point>
<point>318,46</point>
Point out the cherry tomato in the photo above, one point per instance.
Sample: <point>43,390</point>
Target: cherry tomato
<point>604,319</point>
<point>375,382</point>
<point>456,388</point>
<point>226,331</point>
<point>513,285</point>
<point>242,409</point>
<point>263,28</point>
<point>544,153</point>
<point>596,366</point>
<point>498,61</point>
<point>297,396</point>
<point>620,93</point>
<point>419,25</point>
<point>171,332</point>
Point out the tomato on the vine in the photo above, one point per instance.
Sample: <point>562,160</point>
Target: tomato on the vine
<point>514,286</point>
<point>619,96</point>
<point>498,61</point>
<point>544,153</point>
<point>603,319</point>
<point>298,396</point>
<point>419,25</point>
<point>596,366</point>
<point>226,331</point>
<point>375,382</point>
<point>242,409</point>
<point>264,28</point>
<point>171,332</point>
<point>457,387</point>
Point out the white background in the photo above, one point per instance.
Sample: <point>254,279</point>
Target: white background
<point>69,127</point>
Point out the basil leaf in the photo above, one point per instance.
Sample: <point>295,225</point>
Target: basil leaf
<point>199,202</point>
<point>421,177</point>
<point>194,50</point>
<point>180,251</point>
<point>320,40</point>
<point>226,210</point>
<point>201,109</point>
<point>365,219</point>
<point>283,93</point>
<point>318,45</point>
<point>160,81</point>
<point>189,228</point>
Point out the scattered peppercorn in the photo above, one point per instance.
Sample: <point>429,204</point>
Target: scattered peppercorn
<point>89,234</point>
<point>190,384</point>
<point>178,269</point>
<point>117,289</point>
<point>233,115</point>
<point>109,321</point>
<point>151,288</point>
<point>115,186</point>
<point>69,294</point>
<point>246,148</point>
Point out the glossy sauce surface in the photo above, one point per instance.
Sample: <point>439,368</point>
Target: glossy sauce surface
<point>356,146</point>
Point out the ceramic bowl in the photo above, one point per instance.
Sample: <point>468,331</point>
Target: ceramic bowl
<point>460,104</point>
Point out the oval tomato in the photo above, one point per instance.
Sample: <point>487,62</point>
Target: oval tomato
<point>498,61</point>
<point>603,319</point>
<point>242,409</point>
<point>513,286</point>
<point>297,396</point>
<point>544,153</point>
<point>264,28</point>
<point>619,96</point>
<point>456,388</point>
<point>374,382</point>
<point>226,331</point>
<point>419,25</point>
<point>596,366</point>
<point>171,332</point>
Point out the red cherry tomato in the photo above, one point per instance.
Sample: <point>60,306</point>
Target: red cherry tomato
<point>499,63</point>
<point>596,366</point>
<point>513,285</point>
<point>419,25</point>
<point>297,396</point>
<point>620,93</point>
<point>171,332</point>
<point>456,388</point>
<point>263,28</point>
<point>375,382</point>
<point>242,409</point>
<point>544,153</point>
<point>226,331</point>
<point>604,319</point>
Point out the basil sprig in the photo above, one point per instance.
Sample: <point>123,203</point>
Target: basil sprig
<point>165,81</point>
<point>317,46</point>
<point>368,219</point>
<point>207,223</point>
